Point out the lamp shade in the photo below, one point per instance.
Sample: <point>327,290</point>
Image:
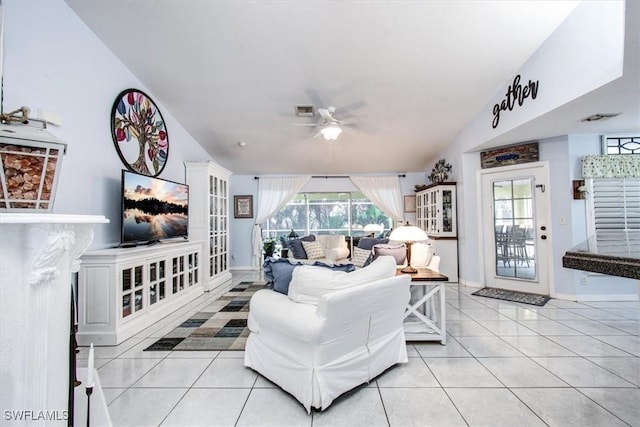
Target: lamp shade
<point>373,228</point>
<point>408,233</point>
<point>331,132</point>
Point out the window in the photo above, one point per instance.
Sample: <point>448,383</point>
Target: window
<point>326,213</point>
<point>620,144</point>
<point>614,185</point>
<point>616,203</point>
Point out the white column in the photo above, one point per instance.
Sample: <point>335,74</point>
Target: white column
<point>38,253</point>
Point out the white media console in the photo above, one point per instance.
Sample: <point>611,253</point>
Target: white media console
<point>122,291</point>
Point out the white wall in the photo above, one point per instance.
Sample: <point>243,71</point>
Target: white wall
<point>240,229</point>
<point>54,62</point>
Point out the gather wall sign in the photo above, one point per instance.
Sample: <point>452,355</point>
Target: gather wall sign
<point>516,94</point>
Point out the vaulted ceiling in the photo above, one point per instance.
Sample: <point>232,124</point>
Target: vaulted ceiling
<point>409,75</point>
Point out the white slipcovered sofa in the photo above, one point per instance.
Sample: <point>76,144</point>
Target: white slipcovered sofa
<point>334,250</point>
<point>333,332</point>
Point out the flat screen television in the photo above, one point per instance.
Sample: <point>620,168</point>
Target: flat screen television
<point>153,209</point>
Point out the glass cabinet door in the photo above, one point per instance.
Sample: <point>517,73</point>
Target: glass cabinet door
<point>447,211</point>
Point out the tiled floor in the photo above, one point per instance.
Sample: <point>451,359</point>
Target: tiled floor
<point>565,364</point>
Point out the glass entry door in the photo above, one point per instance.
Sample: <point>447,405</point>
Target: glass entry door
<point>513,224</point>
<point>516,228</point>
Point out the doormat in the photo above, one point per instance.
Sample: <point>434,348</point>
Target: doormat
<point>222,325</point>
<point>513,296</point>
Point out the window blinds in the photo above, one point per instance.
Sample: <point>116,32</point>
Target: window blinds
<point>616,203</point>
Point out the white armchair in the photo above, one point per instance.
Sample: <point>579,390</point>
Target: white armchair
<point>335,330</point>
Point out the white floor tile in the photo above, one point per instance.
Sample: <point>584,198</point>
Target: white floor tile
<point>488,347</point>
<point>596,314</point>
<point>208,407</point>
<point>549,327</point>
<point>412,374</point>
<point>588,346</point>
<point>227,373</point>
<point>273,407</point>
<point>435,349</point>
<point>461,372</point>
<point>566,407</point>
<point>504,408</point>
<point>506,327</point>
<point>627,368</point>
<point>144,407</point>
<point>629,344</point>
<point>174,373</point>
<point>125,372</point>
<point>537,346</point>
<point>408,407</point>
<point>521,372</point>
<point>579,372</point>
<point>592,327</point>
<point>111,394</point>
<point>466,328</point>
<point>622,402</point>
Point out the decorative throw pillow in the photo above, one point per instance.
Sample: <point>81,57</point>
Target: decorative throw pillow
<point>398,252</point>
<point>309,284</point>
<point>313,249</point>
<point>360,256</point>
<point>296,248</point>
<point>278,272</point>
<point>368,242</point>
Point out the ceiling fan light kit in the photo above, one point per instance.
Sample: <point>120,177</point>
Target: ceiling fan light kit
<point>331,132</point>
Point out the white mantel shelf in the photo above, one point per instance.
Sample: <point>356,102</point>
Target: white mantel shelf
<point>45,218</point>
<point>38,254</point>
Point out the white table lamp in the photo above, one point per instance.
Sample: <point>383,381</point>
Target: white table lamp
<point>408,234</point>
<point>372,229</point>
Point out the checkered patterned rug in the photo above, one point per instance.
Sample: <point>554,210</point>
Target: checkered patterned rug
<point>220,326</point>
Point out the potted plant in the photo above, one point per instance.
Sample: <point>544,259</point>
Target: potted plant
<point>268,246</point>
<point>440,171</point>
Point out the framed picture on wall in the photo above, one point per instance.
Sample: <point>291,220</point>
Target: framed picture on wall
<point>243,206</point>
<point>409,203</point>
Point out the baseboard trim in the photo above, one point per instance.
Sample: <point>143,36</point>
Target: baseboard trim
<point>621,297</point>
<point>470,284</point>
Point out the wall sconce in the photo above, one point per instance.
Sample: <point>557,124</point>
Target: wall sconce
<point>579,189</point>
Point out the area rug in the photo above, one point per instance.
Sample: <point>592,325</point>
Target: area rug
<point>513,296</point>
<point>222,325</point>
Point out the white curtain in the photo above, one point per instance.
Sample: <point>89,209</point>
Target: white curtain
<point>384,191</point>
<point>273,193</point>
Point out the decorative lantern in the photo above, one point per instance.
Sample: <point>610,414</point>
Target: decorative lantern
<point>30,162</point>
<point>292,235</point>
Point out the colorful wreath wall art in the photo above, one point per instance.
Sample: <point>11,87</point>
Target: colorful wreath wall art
<point>139,133</point>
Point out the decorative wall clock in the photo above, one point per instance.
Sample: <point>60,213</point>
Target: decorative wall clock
<point>139,133</point>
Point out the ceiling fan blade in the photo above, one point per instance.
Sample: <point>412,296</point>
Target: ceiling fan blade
<point>314,97</point>
<point>325,114</point>
<point>305,124</point>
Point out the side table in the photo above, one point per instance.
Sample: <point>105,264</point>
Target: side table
<point>425,318</point>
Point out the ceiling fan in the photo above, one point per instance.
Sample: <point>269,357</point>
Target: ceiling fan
<point>330,127</point>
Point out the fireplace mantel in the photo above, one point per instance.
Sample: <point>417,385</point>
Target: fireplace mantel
<point>38,254</point>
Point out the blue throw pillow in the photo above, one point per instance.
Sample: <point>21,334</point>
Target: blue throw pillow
<point>367,243</point>
<point>279,272</point>
<point>296,248</point>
